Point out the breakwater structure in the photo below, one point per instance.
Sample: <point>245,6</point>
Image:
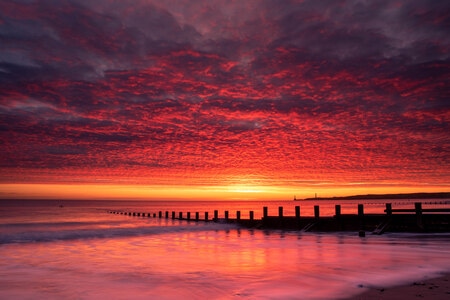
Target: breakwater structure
<point>416,219</point>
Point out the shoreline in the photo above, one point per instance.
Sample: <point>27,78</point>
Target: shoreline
<point>436,288</point>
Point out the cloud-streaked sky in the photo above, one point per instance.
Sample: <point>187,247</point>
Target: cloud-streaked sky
<point>298,95</point>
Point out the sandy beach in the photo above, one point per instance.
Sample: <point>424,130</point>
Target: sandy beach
<point>435,288</point>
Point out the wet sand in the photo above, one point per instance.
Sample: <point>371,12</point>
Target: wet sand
<point>435,289</point>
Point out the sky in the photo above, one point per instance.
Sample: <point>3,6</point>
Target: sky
<point>177,99</point>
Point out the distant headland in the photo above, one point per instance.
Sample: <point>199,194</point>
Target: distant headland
<point>443,195</point>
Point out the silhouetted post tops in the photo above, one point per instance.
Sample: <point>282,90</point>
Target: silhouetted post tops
<point>317,212</point>
<point>337,210</point>
<point>297,212</point>
<point>265,214</point>
<point>389,209</point>
<point>361,211</point>
<point>362,232</point>
<point>337,216</point>
<point>395,220</point>
<point>418,209</point>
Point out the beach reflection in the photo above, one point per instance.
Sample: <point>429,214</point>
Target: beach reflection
<point>216,261</point>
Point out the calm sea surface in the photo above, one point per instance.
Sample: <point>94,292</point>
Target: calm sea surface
<point>76,250</point>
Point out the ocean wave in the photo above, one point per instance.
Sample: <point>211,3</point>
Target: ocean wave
<point>56,224</point>
<point>59,233</point>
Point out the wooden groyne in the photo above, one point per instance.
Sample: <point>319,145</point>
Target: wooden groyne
<point>415,219</point>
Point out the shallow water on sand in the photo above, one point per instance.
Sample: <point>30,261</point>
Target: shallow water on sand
<point>82,252</point>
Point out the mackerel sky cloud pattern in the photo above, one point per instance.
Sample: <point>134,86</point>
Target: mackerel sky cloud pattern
<point>279,93</point>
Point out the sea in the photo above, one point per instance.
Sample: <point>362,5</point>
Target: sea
<point>55,249</point>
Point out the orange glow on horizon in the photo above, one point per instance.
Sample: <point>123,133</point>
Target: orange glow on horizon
<point>234,192</point>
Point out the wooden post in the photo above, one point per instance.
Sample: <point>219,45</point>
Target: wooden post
<point>134,214</point>
<point>197,216</point>
<point>337,210</point>
<point>418,208</point>
<point>154,215</point>
<point>226,216</point>
<point>251,215</point>
<point>361,210</point>
<point>265,212</point>
<point>216,215</point>
<point>316,211</point>
<point>173,215</point>
<point>167,214</point>
<point>188,216</point>
<point>206,216</point>
<point>180,216</point>
<point>361,232</point>
<point>238,215</point>
<point>280,212</point>
<point>297,212</point>
<point>389,209</point>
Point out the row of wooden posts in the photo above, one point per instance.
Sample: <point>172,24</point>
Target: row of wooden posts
<point>180,215</point>
<point>393,219</point>
<point>418,210</point>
